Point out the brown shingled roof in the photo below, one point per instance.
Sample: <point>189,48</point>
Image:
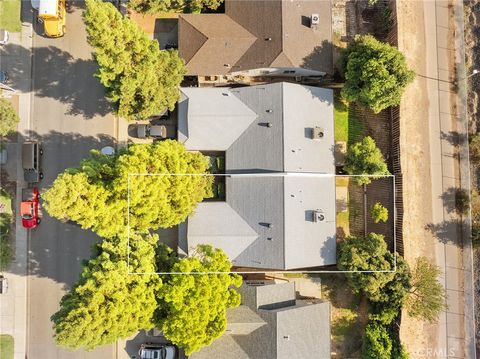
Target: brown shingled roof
<point>255,34</point>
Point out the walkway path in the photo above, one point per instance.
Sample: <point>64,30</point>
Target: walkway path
<point>13,305</point>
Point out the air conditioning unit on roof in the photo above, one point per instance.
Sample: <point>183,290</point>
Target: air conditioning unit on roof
<point>314,20</point>
<point>317,133</point>
<point>318,216</point>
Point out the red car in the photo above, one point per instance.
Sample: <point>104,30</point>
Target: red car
<point>29,208</point>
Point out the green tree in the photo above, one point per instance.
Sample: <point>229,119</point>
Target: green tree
<point>192,306</point>
<point>474,147</point>
<point>426,298</point>
<point>377,343</point>
<point>8,117</point>
<point>393,294</point>
<point>159,6</point>
<point>370,255</point>
<point>108,303</point>
<point>141,80</point>
<point>376,73</point>
<point>365,158</point>
<point>379,213</point>
<point>98,194</point>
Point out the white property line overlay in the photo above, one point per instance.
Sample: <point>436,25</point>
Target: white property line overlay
<point>267,174</point>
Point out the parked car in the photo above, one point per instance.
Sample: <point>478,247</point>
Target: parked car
<point>155,131</point>
<point>3,77</point>
<point>157,351</point>
<point>31,153</point>
<point>3,285</point>
<point>29,208</point>
<point>4,36</point>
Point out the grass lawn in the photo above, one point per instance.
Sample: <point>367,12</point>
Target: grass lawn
<point>348,127</point>
<point>5,221</point>
<point>10,15</point>
<point>6,346</point>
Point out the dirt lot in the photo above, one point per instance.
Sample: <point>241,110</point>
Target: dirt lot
<point>415,153</point>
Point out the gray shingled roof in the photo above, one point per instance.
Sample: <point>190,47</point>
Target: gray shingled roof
<point>236,121</point>
<point>291,329</point>
<point>266,222</point>
<point>257,34</point>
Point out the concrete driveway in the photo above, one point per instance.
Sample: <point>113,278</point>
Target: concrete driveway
<point>70,116</point>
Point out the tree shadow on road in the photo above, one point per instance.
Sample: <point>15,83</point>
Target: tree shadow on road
<point>57,249</point>
<point>57,75</point>
<point>447,232</point>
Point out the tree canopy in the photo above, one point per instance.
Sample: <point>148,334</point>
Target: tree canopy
<point>140,79</point>
<point>365,158</point>
<point>159,6</point>
<point>192,307</point>
<point>158,184</point>
<point>366,254</point>
<point>8,117</point>
<point>426,298</point>
<point>107,303</point>
<point>376,73</point>
<point>379,213</point>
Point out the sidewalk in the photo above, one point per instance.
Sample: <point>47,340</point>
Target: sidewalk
<point>13,305</point>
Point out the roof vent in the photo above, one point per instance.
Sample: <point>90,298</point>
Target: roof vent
<point>226,65</point>
<point>318,216</point>
<point>269,110</point>
<point>225,94</point>
<point>268,39</point>
<point>269,124</point>
<point>314,20</point>
<point>286,337</point>
<point>317,133</point>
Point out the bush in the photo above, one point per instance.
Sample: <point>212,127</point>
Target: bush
<point>379,213</point>
<point>376,73</point>
<point>8,117</point>
<point>474,147</point>
<point>365,158</point>
<point>462,201</point>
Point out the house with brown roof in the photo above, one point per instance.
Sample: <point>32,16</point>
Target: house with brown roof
<point>268,38</point>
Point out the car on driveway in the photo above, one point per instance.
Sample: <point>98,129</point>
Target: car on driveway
<point>157,351</point>
<point>29,208</point>
<point>155,131</point>
<point>4,36</point>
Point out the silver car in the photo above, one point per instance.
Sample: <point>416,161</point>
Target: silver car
<point>155,131</point>
<point>157,351</point>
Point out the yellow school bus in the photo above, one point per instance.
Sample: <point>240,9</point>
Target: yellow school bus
<point>53,15</point>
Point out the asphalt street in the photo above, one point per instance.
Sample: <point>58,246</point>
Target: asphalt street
<point>70,117</point>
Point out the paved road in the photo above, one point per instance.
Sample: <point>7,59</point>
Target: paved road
<point>70,117</point>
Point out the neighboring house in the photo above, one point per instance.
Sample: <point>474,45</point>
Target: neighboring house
<point>289,38</point>
<point>276,141</point>
<point>271,324</point>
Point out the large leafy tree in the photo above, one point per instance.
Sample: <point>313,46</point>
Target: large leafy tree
<point>369,262</point>
<point>108,303</point>
<point>192,306</point>
<point>8,117</point>
<point>145,186</point>
<point>377,343</point>
<point>426,298</point>
<point>365,158</point>
<point>141,80</point>
<point>376,73</point>
<point>158,6</point>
